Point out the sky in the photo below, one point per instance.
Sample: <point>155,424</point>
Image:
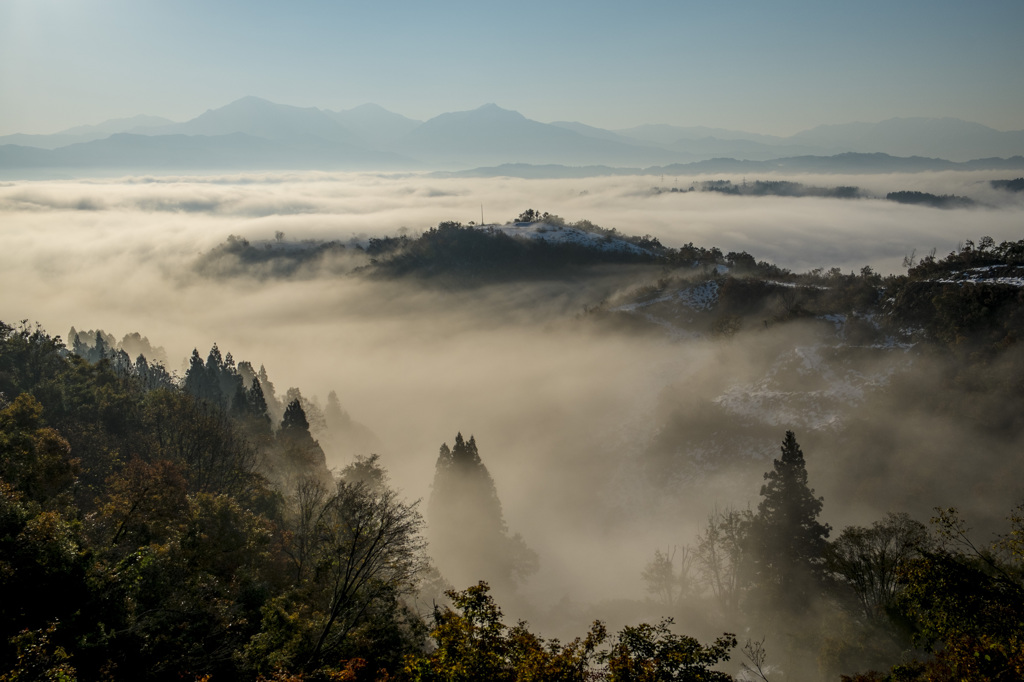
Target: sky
<point>764,67</point>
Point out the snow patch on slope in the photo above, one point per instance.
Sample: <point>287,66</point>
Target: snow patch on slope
<point>808,386</point>
<point>988,274</point>
<point>673,311</point>
<point>559,234</point>
<point>698,297</point>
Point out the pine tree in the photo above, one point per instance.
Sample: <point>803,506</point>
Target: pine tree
<point>249,408</point>
<point>299,453</point>
<point>202,380</point>
<point>239,403</point>
<point>215,385</point>
<point>195,375</point>
<point>470,538</point>
<point>257,402</point>
<point>100,350</point>
<point>78,347</point>
<point>294,422</point>
<point>232,386</point>
<point>337,418</point>
<point>142,372</point>
<point>789,541</point>
<point>214,361</point>
<point>269,394</point>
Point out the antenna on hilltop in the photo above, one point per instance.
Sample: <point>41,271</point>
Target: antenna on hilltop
<point>481,214</point>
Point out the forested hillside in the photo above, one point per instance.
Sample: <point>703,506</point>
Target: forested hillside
<point>162,527</point>
<point>152,530</point>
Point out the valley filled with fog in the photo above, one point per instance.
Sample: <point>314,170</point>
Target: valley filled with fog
<point>561,342</point>
<point>605,442</point>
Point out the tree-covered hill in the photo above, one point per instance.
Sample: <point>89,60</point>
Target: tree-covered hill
<point>140,540</point>
<point>143,536</point>
<point>165,528</point>
<point>165,531</point>
<point>534,246</point>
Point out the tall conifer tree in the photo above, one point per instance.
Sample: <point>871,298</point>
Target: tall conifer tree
<point>789,541</point>
<point>471,541</point>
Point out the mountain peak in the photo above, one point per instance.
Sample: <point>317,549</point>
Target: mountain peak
<point>369,108</point>
<point>486,116</point>
<point>251,99</point>
<point>251,102</point>
<point>494,110</point>
<point>262,118</point>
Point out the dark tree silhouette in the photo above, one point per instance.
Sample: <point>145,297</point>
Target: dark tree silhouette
<point>789,541</point>
<point>470,539</point>
<point>294,422</point>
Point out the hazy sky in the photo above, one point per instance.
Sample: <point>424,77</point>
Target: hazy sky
<point>771,67</point>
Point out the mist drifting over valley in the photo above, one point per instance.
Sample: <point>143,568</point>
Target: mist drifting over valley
<point>616,407</point>
<point>567,412</point>
<point>535,341</point>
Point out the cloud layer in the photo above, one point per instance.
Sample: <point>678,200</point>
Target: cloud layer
<point>559,410</point>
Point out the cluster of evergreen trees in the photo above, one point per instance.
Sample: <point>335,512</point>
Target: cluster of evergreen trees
<point>926,605</point>
<point>237,256</point>
<point>291,450</point>
<point>927,199</point>
<point>141,538</point>
<point>469,535</point>
<point>893,596</point>
<point>780,188</point>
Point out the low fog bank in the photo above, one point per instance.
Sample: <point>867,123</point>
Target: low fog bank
<point>603,445</point>
<point>795,233</point>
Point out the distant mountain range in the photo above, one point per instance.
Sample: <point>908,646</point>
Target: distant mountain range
<point>255,134</point>
<point>847,162</point>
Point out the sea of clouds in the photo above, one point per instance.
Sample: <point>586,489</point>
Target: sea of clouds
<point>557,408</point>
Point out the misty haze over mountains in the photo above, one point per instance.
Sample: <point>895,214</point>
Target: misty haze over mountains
<point>253,133</point>
<point>625,383</point>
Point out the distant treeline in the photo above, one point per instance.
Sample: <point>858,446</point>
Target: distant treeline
<point>926,199</point>
<point>1015,185</point>
<point>762,188</point>
<point>785,188</point>
<point>238,256</point>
